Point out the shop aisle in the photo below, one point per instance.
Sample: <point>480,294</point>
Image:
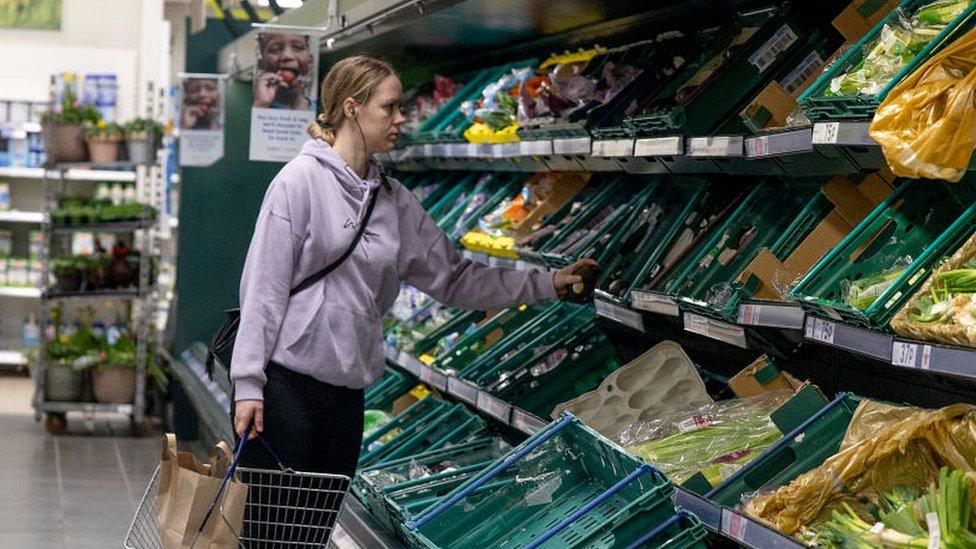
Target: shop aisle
<point>74,491</point>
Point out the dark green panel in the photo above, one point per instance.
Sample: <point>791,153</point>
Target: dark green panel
<point>218,207</point>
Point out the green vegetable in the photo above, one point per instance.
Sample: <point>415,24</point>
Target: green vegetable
<point>864,292</point>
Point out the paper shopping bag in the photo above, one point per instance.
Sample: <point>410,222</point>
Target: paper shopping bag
<point>186,490</point>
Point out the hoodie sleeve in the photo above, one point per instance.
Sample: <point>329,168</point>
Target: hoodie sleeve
<point>265,285</point>
<point>429,262</point>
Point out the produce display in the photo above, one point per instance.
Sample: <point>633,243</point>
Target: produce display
<point>422,102</point>
<point>78,212</point>
<point>900,41</point>
<point>862,293</point>
<point>715,440</point>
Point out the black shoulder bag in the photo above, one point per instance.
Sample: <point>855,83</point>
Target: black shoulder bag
<point>222,344</point>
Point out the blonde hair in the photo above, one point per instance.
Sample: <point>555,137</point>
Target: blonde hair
<point>355,77</point>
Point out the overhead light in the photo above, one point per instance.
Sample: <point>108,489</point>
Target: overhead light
<point>282,3</point>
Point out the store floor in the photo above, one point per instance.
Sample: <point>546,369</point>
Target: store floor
<point>73,491</point>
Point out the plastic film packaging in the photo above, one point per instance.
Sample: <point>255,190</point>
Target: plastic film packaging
<point>906,452</point>
<point>714,439</point>
<point>926,126</point>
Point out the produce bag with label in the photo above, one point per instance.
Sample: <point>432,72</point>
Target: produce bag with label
<point>715,439</point>
<point>902,454</point>
<point>927,125</point>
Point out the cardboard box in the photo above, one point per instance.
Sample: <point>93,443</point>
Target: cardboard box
<point>770,108</point>
<point>853,198</point>
<point>762,376</point>
<point>860,16</point>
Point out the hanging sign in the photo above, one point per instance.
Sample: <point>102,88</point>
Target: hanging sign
<point>201,119</point>
<point>285,78</point>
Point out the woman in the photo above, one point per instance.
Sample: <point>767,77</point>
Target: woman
<point>300,364</point>
<point>284,64</point>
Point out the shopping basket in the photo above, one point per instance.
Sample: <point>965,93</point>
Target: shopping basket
<point>285,508</point>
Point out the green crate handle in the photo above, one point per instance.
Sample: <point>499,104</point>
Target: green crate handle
<point>593,503</point>
<point>529,446</point>
<point>779,446</point>
<point>657,530</point>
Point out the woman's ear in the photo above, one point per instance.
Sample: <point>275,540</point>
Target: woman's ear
<point>349,107</point>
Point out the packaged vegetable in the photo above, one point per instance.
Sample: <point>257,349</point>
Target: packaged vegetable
<point>863,292</point>
<point>715,439</point>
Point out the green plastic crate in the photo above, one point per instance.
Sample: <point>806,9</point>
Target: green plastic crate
<point>799,451</point>
<point>566,486</point>
<point>921,219</point>
<point>682,531</point>
<point>458,324</point>
<point>415,414</point>
<point>391,495</point>
<point>496,190</point>
<point>381,395</point>
<point>718,100</point>
<point>453,425</point>
<point>774,213</point>
<point>698,218</point>
<point>817,106</point>
<point>471,345</point>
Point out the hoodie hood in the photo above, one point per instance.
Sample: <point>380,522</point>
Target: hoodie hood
<point>344,174</point>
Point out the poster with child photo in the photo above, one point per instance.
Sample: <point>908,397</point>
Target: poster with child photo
<point>201,119</point>
<point>284,91</point>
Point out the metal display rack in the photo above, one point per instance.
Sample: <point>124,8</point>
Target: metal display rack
<point>140,300</point>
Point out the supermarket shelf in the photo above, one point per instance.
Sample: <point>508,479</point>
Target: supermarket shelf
<point>726,332</point>
<point>95,294</point>
<point>15,216</point>
<point>851,338</point>
<point>944,359</point>
<point>72,174</point>
<point>732,524</point>
<point>464,391</point>
<point>86,407</point>
<point>126,227</point>
<point>771,314</point>
<point>13,291</point>
<point>12,358</point>
<point>359,524</point>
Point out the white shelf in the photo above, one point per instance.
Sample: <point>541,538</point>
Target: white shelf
<point>73,174</point>
<point>12,358</point>
<point>14,291</point>
<point>15,216</point>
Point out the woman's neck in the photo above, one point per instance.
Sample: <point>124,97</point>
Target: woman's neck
<point>349,149</point>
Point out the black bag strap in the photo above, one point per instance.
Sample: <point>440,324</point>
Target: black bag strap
<point>308,282</point>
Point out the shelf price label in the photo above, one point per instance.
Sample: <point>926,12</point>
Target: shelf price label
<point>757,146</point>
<point>825,133</point>
<point>494,407</point>
<point>526,422</point>
<point>409,363</point>
<point>820,330</point>
<point>734,525</point>
<point>463,390</point>
<point>696,324</point>
<point>392,353</point>
<point>904,354</point>
<point>632,319</point>
<point>433,378</point>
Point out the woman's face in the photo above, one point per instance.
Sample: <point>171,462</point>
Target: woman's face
<point>286,52</point>
<point>380,118</point>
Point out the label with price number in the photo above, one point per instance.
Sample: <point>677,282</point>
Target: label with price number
<point>734,525</point>
<point>820,330</point>
<point>904,354</point>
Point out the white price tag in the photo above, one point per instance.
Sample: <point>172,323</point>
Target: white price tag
<point>433,378</point>
<point>926,357</point>
<point>463,390</point>
<point>659,146</point>
<point>757,146</point>
<point>575,145</point>
<point>613,148</point>
<point>392,353</point>
<point>409,363</point>
<point>526,422</point>
<point>825,133</point>
<point>820,330</point>
<point>716,146</point>
<point>498,150</point>
<point>904,354</point>
<point>768,52</point>
<point>749,315</point>
<point>535,148</point>
<point>494,407</point>
<point>696,324</point>
<point>633,319</point>
<point>734,525</point>
<point>653,303</point>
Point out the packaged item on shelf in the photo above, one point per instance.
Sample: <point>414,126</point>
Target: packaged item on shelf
<point>714,439</point>
<point>373,420</point>
<point>944,309</point>
<point>564,84</point>
<point>927,125</point>
<point>662,380</point>
<point>423,102</point>
<point>35,242</point>
<point>4,196</point>
<point>542,194</point>
<point>899,452</point>
<point>863,292</point>
<point>6,242</point>
<point>494,113</point>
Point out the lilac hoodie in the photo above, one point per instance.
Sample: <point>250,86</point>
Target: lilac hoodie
<point>331,331</point>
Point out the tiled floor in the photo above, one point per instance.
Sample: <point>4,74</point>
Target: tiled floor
<point>78,490</point>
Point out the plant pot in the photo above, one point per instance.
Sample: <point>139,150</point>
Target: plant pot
<point>69,282</point>
<point>104,152</point>
<point>62,383</point>
<point>141,150</point>
<point>64,142</point>
<point>100,276</point>
<point>114,384</point>
<point>123,275</point>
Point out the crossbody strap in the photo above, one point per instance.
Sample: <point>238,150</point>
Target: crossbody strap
<point>308,282</point>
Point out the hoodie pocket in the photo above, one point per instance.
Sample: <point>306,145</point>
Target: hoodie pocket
<point>302,320</point>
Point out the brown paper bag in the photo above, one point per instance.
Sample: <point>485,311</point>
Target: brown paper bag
<point>186,490</point>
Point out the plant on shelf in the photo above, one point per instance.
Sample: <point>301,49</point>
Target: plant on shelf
<point>114,376</point>
<point>68,273</point>
<point>63,129</point>
<point>77,212</point>
<point>103,141</point>
<point>142,139</point>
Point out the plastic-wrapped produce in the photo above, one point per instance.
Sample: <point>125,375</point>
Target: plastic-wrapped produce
<point>714,439</point>
<point>425,101</point>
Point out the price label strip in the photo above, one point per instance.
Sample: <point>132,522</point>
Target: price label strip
<point>409,363</point>
<point>654,303</point>
<point>494,407</point>
<point>632,319</point>
<point>463,390</point>
<point>433,378</point>
<point>526,422</point>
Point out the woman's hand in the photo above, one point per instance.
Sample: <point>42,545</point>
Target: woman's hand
<point>247,412</point>
<point>577,273</point>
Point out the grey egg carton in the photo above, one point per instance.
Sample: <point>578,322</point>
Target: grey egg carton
<point>659,381</point>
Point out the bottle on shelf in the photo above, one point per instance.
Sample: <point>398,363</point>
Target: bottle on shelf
<point>31,335</point>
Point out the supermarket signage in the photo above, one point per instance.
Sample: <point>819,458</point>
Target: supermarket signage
<point>201,118</point>
<point>284,94</point>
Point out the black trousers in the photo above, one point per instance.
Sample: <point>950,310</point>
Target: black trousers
<point>312,426</point>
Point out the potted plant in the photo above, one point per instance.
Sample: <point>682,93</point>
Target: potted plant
<point>63,130</point>
<point>103,141</point>
<point>100,272</point>
<point>124,274</point>
<point>142,137</point>
<point>67,273</point>
<point>114,377</point>
<point>62,381</point>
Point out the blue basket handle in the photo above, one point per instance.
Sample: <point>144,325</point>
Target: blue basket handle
<point>657,530</point>
<point>530,445</point>
<point>593,503</point>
